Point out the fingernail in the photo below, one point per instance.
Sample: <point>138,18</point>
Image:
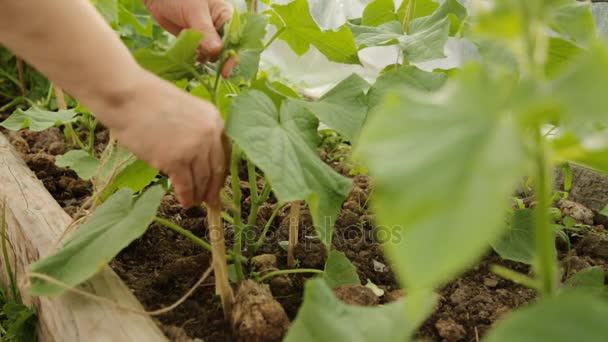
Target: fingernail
<point>214,44</point>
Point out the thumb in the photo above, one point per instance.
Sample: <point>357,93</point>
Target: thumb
<point>201,21</point>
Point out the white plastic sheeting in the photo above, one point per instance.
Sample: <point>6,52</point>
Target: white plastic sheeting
<point>314,74</point>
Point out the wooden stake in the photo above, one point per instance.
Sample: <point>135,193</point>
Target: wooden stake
<point>21,73</point>
<point>294,222</point>
<point>60,97</point>
<point>220,264</point>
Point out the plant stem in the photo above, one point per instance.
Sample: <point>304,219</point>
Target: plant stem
<point>262,237</point>
<point>63,106</point>
<point>188,234</point>
<point>410,9</point>
<point>220,265</point>
<point>274,37</point>
<point>13,102</point>
<point>218,77</point>
<point>10,77</point>
<point>182,231</point>
<point>283,272</point>
<point>514,276</point>
<point>546,255</point>
<point>294,222</point>
<point>238,224</point>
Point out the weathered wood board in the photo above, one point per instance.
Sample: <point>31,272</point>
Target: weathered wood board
<point>35,222</point>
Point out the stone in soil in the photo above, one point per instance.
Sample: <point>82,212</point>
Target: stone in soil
<point>356,295</point>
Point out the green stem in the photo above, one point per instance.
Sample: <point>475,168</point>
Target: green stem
<point>411,7</point>
<point>49,96</point>
<point>238,224</point>
<point>75,137</point>
<point>262,237</point>
<point>283,272</point>
<point>274,37</point>
<point>10,78</point>
<point>227,217</point>
<point>514,276</point>
<point>182,231</point>
<point>546,255</point>
<point>218,78</point>
<point>13,102</point>
<point>92,123</point>
<point>188,234</point>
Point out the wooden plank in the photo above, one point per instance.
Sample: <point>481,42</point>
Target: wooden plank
<point>35,222</point>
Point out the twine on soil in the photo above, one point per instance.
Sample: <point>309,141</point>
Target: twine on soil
<point>116,305</point>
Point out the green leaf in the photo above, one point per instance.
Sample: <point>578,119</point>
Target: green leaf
<point>37,119</point>
<point>560,55</point>
<point>300,31</point>
<point>344,107</point>
<point>81,162</point>
<point>246,37</point>
<point>283,145</point>
<point>433,157</point>
<point>404,76</point>
<point>426,42</point>
<point>135,176</point>
<point>277,91</point>
<point>324,318</point>
<point>385,34</point>
<point>340,271</point>
<point>422,8</point>
<point>582,102</point>
<point>573,19</point>
<point>589,278</point>
<point>447,8</point>
<point>571,316</point>
<point>112,227</point>
<point>174,63</point>
<point>569,148</point>
<point>379,12</point>
<point>517,243</point>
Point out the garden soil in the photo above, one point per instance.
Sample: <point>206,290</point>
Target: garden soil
<point>162,265</point>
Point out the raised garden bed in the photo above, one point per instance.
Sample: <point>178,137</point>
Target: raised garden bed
<point>35,222</point>
<point>159,267</point>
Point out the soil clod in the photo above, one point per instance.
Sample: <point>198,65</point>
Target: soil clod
<point>256,315</point>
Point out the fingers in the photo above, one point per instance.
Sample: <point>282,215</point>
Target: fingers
<point>201,174</point>
<point>168,25</point>
<point>201,21</point>
<point>183,182</point>
<point>230,64</point>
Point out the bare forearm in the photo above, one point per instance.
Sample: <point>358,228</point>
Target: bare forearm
<point>69,42</point>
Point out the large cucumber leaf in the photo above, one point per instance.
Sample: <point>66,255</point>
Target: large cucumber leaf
<point>282,143</point>
<point>175,62</point>
<point>339,270</point>
<point>344,107</point>
<point>37,119</point>
<point>425,39</point>
<point>300,30</point>
<point>379,12</point>
<point>571,316</point>
<point>324,318</point>
<point>444,165</point>
<point>404,76</point>
<point>113,226</point>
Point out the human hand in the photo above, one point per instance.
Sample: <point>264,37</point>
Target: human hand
<point>178,134</point>
<point>205,16</point>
